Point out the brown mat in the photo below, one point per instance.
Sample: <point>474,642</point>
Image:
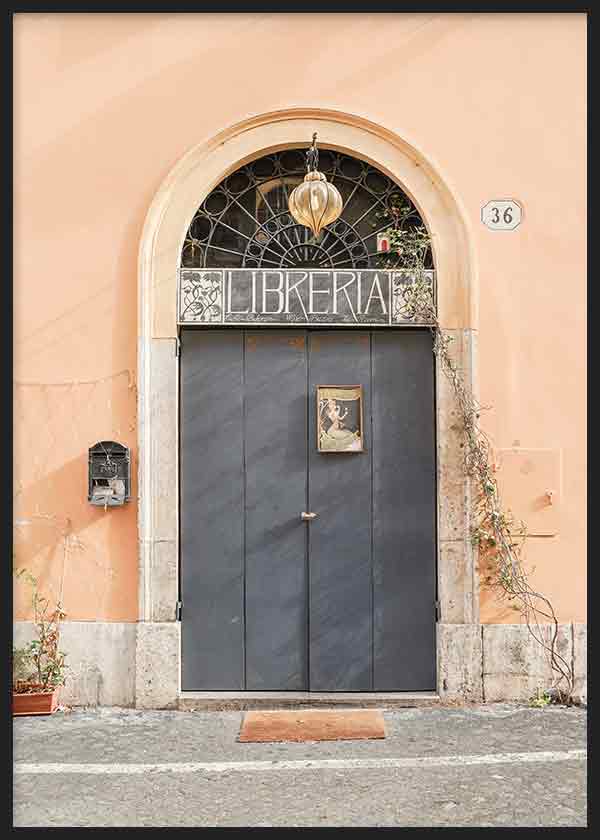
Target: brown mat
<point>312,725</point>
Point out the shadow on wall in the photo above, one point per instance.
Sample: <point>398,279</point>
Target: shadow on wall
<point>74,548</point>
<point>496,610</point>
<point>79,552</point>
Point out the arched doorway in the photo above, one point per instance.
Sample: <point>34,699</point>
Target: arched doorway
<point>158,662</point>
<point>303,567</point>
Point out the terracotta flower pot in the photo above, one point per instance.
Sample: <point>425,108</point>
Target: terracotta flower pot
<point>35,702</point>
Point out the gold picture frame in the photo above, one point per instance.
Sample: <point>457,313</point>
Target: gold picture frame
<point>340,418</point>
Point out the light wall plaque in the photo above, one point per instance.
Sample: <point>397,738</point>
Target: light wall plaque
<point>502,214</point>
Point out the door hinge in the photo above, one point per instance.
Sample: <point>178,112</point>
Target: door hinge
<point>178,610</point>
<point>177,347</point>
<point>438,610</point>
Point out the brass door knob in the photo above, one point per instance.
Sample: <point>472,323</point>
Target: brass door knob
<point>308,517</point>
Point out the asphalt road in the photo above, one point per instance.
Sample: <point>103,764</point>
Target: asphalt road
<point>496,765</point>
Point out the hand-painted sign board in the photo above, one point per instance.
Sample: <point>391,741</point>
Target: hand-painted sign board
<point>246,296</point>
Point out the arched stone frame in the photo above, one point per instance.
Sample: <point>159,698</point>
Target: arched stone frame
<point>190,181</point>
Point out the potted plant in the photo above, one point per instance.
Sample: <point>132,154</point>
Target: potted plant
<point>39,665</point>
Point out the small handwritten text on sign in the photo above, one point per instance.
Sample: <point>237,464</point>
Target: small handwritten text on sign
<point>502,214</point>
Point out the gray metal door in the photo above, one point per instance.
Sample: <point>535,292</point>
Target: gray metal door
<point>271,602</point>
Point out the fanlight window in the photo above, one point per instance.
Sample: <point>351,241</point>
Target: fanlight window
<point>245,221</point>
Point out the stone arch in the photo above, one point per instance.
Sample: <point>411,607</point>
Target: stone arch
<point>174,205</point>
<point>207,164</point>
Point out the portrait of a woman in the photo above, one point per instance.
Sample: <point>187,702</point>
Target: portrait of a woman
<point>339,419</point>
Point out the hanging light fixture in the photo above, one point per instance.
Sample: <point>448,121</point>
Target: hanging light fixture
<point>315,202</point>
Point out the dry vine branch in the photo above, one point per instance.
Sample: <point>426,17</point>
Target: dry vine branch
<point>499,538</point>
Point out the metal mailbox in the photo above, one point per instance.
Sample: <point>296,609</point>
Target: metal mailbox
<point>109,482</point>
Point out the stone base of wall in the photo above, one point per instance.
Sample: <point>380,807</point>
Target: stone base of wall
<point>101,660</point>
<point>580,663</point>
<point>515,665</point>
<point>459,656</point>
<point>137,665</point>
<point>157,665</point>
<point>492,662</point>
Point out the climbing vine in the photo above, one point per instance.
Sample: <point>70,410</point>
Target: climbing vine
<point>499,538</point>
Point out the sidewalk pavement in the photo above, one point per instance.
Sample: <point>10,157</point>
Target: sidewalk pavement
<point>489,765</point>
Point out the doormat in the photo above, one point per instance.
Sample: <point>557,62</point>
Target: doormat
<point>312,725</point>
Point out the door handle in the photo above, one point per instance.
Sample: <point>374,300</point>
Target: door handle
<point>308,517</point>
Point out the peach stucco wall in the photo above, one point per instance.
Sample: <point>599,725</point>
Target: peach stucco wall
<point>105,105</point>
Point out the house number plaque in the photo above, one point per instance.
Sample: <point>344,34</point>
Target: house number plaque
<point>504,214</point>
<point>246,296</point>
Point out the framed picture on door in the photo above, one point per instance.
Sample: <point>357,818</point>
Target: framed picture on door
<point>340,418</point>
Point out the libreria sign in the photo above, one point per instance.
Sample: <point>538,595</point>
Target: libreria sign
<point>238,296</point>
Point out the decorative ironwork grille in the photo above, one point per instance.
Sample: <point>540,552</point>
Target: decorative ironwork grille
<point>245,222</point>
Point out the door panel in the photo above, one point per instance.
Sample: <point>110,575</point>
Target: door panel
<point>339,492</point>
<point>404,517</point>
<point>342,603</point>
<point>275,456</point>
<point>212,512</point>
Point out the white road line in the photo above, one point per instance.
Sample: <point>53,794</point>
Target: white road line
<point>23,768</point>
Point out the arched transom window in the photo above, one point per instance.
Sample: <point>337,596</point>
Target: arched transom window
<point>245,222</point>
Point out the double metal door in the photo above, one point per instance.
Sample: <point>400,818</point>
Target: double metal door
<point>272,599</point>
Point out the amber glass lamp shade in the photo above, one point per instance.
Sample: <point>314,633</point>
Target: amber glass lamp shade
<point>315,202</point>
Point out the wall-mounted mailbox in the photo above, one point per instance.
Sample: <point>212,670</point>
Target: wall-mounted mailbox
<point>109,474</point>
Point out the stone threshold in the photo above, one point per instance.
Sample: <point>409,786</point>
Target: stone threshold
<point>230,701</point>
